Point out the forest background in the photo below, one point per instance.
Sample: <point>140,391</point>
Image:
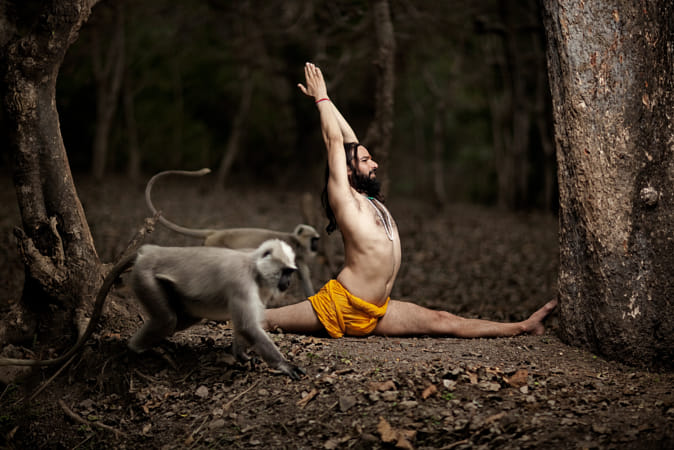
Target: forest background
<point>162,85</point>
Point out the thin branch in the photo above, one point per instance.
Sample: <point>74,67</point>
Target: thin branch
<point>229,403</point>
<point>79,419</point>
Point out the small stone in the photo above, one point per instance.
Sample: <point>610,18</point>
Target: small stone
<point>389,396</point>
<point>202,392</point>
<point>470,406</point>
<point>409,404</point>
<point>449,384</point>
<point>217,423</point>
<point>489,386</point>
<point>347,402</point>
<point>649,196</point>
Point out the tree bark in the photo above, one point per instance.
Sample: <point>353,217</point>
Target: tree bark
<point>611,70</point>
<point>128,99</point>
<point>380,132</point>
<point>108,72</point>
<point>437,163</point>
<point>234,140</point>
<point>62,267</point>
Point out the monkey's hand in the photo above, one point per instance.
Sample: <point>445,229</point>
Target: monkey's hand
<point>291,370</point>
<point>240,351</point>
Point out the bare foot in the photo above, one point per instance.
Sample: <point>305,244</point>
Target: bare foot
<point>534,324</point>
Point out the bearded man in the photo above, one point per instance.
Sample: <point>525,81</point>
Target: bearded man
<point>357,302</point>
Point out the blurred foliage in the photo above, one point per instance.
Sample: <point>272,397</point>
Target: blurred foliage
<point>186,62</point>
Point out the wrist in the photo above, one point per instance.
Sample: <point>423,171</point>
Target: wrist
<point>322,99</point>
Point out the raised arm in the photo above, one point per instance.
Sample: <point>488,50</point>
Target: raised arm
<point>333,135</point>
<point>347,132</point>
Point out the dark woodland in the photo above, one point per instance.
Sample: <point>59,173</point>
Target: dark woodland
<point>511,182</point>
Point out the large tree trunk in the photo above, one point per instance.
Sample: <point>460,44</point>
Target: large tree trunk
<point>62,267</point>
<point>611,69</point>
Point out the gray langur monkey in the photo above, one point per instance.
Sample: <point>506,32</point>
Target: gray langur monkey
<point>303,239</point>
<point>178,286</point>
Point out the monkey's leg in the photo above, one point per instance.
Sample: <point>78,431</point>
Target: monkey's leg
<point>162,318</point>
<point>305,278</point>
<point>176,304</point>
<point>268,351</point>
<point>240,346</point>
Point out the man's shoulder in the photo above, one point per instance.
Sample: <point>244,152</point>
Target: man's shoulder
<point>350,205</point>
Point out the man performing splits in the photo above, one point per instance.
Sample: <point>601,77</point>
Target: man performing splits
<point>357,303</point>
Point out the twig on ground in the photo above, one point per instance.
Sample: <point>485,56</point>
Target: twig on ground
<point>241,394</point>
<point>195,432</point>
<point>148,378</point>
<point>79,419</point>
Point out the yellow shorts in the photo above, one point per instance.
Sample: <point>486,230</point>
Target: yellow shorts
<point>342,313</point>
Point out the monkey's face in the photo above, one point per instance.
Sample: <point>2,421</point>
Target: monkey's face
<point>308,237</point>
<point>276,264</point>
<point>284,280</point>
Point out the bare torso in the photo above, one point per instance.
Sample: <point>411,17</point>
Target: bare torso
<point>372,259</point>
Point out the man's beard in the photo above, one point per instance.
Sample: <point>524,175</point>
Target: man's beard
<point>365,184</point>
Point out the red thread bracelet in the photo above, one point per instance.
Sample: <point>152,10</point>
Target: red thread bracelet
<point>322,100</point>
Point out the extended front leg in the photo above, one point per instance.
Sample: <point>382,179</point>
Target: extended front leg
<point>268,351</point>
<point>240,346</point>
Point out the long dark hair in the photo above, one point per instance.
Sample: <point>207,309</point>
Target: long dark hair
<point>350,148</point>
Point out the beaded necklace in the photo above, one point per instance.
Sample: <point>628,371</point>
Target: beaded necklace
<point>387,222</point>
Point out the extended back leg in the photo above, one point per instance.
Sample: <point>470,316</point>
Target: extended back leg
<point>161,320</point>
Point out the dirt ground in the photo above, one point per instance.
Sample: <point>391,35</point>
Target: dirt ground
<point>522,392</point>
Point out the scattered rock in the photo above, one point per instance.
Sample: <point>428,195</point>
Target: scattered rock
<point>201,392</point>
<point>346,402</point>
<point>389,396</point>
<point>217,423</point>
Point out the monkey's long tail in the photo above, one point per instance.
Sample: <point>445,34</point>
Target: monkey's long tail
<point>108,281</point>
<point>200,233</point>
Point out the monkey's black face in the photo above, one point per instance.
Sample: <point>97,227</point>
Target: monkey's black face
<point>284,281</point>
<point>314,244</point>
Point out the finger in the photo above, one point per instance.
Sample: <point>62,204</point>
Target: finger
<point>311,77</point>
<point>310,69</point>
